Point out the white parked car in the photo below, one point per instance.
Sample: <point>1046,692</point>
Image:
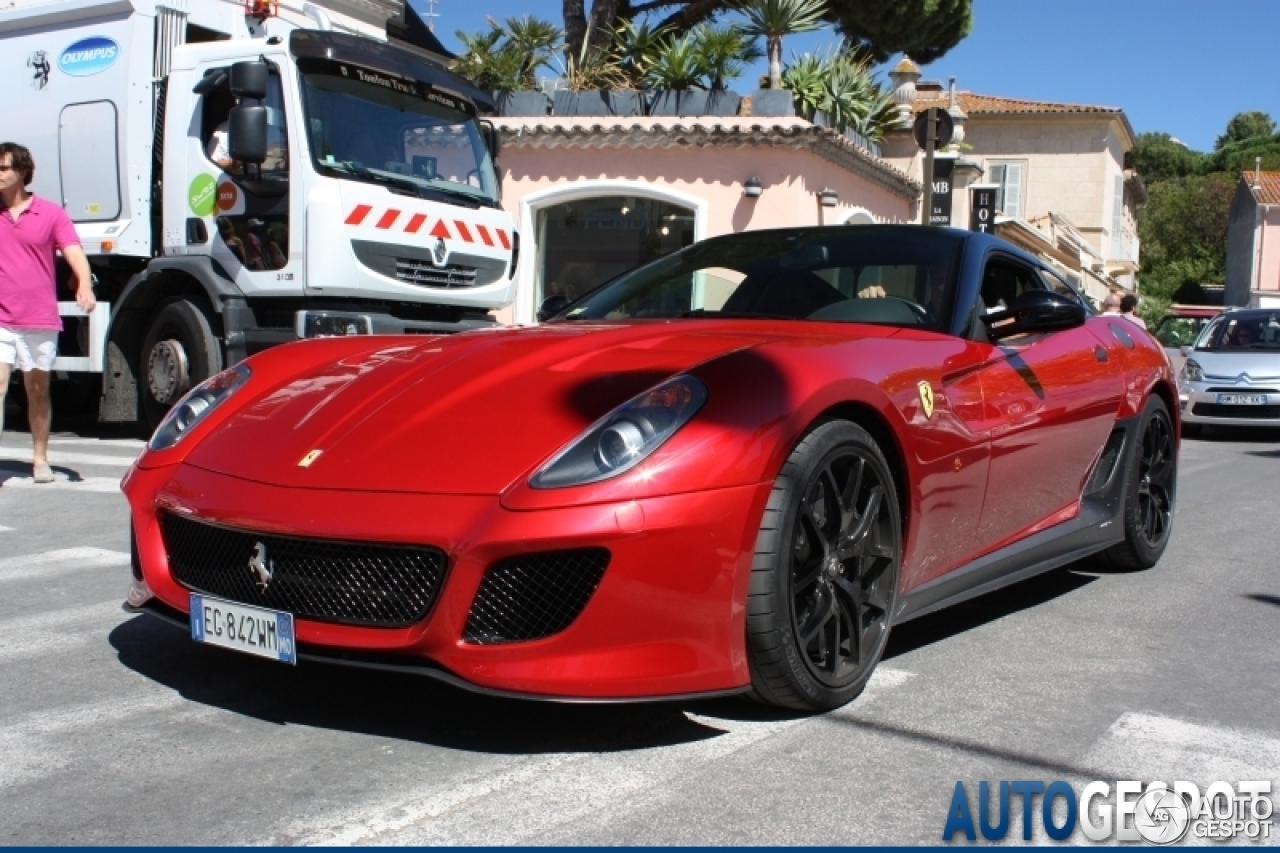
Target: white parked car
<point>1232,374</point>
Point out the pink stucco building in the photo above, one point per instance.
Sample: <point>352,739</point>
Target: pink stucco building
<point>595,196</point>
<point>1253,241</point>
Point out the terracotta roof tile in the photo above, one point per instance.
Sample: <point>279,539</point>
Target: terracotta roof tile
<point>1267,191</point>
<point>975,104</point>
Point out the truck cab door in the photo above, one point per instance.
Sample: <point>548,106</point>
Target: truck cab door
<point>246,210</point>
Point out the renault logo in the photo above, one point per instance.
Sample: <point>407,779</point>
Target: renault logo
<point>440,253</point>
<point>261,566</point>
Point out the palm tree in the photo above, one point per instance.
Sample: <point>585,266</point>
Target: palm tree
<point>725,52</point>
<point>774,19</point>
<point>535,40</point>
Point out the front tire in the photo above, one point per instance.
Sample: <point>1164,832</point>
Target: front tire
<point>1151,479</point>
<point>824,579</point>
<point>180,351</point>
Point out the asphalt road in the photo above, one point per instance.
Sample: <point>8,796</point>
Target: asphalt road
<point>117,729</point>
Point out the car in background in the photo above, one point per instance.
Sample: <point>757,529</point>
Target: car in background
<point>1232,374</point>
<point>1180,326</point>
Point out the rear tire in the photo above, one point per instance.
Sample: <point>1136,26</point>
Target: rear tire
<point>179,352</point>
<point>825,574</point>
<point>1150,492</point>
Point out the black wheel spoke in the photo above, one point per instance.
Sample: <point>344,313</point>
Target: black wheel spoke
<point>1156,470</point>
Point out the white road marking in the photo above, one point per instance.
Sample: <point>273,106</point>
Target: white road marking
<point>62,562</point>
<point>103,485</point>
<point>538,793</point>
<point>4,529</point>
<point>57,631</point>
<point>1147,747</point>
<point>56,459</point>
<point>37,744</point>
<point>135,444</point>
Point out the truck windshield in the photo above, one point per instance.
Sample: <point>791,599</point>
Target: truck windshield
<point>369,126</point>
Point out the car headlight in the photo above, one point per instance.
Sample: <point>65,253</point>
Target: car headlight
<point>196,405</point>
<point>623,438</point>
<point>1192,371</point>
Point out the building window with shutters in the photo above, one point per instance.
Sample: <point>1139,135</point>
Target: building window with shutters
<point>1117,221</point>
<point>1011,178</point>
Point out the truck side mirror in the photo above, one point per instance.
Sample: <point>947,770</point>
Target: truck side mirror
<point>492,139</point>
<point>249,79</point>
<point>247,133</point>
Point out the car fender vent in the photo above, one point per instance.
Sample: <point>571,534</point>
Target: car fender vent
<point>534,595</point>
<point>1107,462</point>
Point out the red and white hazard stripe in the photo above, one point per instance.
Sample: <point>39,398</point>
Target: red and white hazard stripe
<point>395,220</point>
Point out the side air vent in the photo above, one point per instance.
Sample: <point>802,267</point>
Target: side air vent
<point>1112,452</point>
<point>534,595</point>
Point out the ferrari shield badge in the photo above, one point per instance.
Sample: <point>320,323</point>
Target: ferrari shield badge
<point>309,458</point>
<point>926,397</point>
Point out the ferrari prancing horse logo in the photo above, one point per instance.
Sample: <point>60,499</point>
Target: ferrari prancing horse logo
<point>309,458</point>
<point>926,397</point>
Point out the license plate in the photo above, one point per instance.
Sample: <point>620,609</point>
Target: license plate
<point>1242,399</point>
<point>253,630</point>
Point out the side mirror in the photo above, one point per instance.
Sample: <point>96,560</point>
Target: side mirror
<point>551,306</point>
<point>247,133</point>
<point>1036,311</point>
<point>1186,349</point>
<point>249,79</point>
<point>492,139</point>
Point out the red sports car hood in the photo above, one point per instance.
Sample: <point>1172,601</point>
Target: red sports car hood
<point>465,414</point>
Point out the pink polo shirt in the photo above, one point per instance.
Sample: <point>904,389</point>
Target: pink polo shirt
<point>28,291</point>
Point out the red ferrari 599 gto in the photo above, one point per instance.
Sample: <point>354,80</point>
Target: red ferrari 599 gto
<point>732,470</point>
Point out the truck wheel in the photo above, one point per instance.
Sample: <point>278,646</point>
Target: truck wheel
<point>179,352</point>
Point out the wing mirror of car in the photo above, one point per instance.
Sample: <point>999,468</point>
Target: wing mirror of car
<point>1035,311</point>
<point>247,133</point>
<point>1186,349</point>
<point>551,306</point>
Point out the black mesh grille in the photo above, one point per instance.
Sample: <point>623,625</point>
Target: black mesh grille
<point>412,271</point>
<point>1213,410</point>
<point>533,596</point>
<point>347,582</point>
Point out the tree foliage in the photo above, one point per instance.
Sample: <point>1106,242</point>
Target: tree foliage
<point>1160,157</point>
<point>924,29</point>
<point>1186,219</point>
<point>1241,156</point>
<point>1244,126</point>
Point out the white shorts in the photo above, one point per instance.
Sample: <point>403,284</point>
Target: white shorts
<point>28,349</point>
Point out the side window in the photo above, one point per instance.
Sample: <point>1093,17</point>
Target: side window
<point>1003,281</point>
<point>1057,285</point>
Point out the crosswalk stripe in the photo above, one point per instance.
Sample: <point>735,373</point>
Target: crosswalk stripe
<point>134,444</point>
<point>1147,747</point>
<point>54,563</point>
<point>35,745</point>
<point>56,631</point>
<point>4,529</point>
<point>538,793</point>
<point>61,458</point>
<point>101,485</point>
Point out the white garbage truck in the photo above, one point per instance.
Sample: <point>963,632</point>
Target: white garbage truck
<point>245,175</point>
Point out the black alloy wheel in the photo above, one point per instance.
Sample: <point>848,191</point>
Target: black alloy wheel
<point>1150,491</point>
<point>825,578</point>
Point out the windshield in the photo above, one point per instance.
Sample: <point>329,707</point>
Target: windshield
<point>1179,331</point>
<point>1243,330</point>
<point>894,276</point>
<point>371,126</point>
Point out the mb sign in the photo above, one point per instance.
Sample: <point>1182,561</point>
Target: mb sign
<point>89,56</point>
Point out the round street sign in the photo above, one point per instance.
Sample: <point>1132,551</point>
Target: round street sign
<point>943,127</point>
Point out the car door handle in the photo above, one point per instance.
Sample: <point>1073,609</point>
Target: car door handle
<point>1100,354</point>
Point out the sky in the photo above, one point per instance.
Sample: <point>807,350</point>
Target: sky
<point>1182,67</point>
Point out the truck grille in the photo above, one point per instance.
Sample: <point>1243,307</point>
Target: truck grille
<point>534,596</point>
<point>413,271</point>
<point>354,583</point>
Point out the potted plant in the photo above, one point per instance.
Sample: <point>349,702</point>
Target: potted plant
<point>774,19</point>
<point>837,90</point>
<point>596,85</point>
<point>677,76</point>
<point>505,61</point>
<point>725,51</point>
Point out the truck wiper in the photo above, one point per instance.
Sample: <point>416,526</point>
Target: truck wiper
<point>420,189</point>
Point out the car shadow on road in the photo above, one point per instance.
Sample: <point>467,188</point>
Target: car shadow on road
<point>393,705</point>
<point>1273,600</point>
<point>420,709</point>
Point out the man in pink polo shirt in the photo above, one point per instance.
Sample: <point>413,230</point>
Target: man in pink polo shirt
<point>32,230</point>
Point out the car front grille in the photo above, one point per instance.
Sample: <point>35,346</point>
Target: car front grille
<point>534,595</point>
<point>1242,389</point>
<point>354,583</point>
<point>1213,410</point>
<point>413,271</point>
